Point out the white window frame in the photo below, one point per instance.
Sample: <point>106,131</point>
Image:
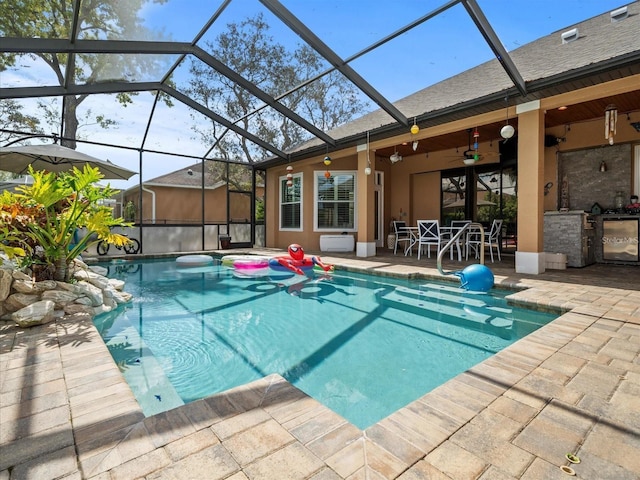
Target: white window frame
<point>319,174</point>
<point>283,184</point>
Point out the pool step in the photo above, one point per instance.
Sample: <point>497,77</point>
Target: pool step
<point>143,372</point>
<point>451,307</point>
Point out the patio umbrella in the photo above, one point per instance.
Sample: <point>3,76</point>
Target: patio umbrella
<point>460,203</point>
<point>55,158</point>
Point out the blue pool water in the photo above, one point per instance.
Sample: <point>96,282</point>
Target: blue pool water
<point>362,345</point>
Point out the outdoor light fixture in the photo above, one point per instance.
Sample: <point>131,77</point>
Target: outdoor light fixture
<point>603,166</point>
<point>414,128</point>
<point>507,131</point>
<point>367,169</point>
<point>415,145</point>
<point>610,122</point>
<point>289,176</point>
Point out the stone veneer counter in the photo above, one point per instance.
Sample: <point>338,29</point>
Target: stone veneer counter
<point>571,234</point>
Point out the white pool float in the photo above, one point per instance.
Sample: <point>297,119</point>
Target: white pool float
<point>186,261</point>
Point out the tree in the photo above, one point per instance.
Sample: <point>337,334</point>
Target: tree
<point>249,50</point>
<point>99,19</point>
<point>12,118</point>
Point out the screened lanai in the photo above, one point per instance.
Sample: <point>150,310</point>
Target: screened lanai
<point>212,94</point>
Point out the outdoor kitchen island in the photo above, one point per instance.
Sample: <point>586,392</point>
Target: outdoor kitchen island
<point>570,233</point>
<point>585,238</point>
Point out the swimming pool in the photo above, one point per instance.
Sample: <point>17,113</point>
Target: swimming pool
<point>362,345</point>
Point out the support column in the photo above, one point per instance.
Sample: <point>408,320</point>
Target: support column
<point>530,256</point>
<point>366,245</point>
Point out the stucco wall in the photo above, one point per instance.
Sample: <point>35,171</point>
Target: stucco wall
<point>307,237</point>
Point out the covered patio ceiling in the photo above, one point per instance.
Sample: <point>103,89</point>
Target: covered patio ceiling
<point>171,57</point>
<point>628,103</point>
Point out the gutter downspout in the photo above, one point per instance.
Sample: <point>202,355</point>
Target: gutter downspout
<point>153,203</point>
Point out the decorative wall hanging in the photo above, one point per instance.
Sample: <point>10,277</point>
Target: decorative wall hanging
<point>610,122</point>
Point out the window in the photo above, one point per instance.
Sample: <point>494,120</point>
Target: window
<point>335,207</point>
<point>291,203</point>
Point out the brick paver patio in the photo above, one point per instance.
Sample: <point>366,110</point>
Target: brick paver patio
<point>571,386</point>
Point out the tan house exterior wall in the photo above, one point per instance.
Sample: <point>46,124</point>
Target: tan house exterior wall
<point>412,186</point>
<point>174,204</point>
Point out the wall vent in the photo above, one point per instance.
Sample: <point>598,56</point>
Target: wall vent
<point>619,14</point>
<point>570,35</point>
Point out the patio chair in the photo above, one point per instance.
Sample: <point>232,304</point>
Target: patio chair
<point>428,235</point>
<point>473,242</point>
<point>492,238</point>
<point>402,236</point>
<point>456,226</point>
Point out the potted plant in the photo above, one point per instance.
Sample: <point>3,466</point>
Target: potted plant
<point>40,221</point>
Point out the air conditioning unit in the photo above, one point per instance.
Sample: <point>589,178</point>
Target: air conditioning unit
<point>396,157</point>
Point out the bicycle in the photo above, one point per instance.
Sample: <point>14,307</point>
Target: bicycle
<point>130,248</point>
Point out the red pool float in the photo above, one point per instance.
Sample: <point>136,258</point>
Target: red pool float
<point>297,261</point>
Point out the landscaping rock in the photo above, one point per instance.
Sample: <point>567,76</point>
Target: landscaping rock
<point>92,278</point>
<point>117,284</point>
<point>92,292</point>
<point>103,272</point>
<point>17,301</point>
<point>76,308</point>
<point>34,288</point>
<point>30,303</point>
<point>60,297</point>
<point>37,313</point>
<point>5,284</point>
<point>18,275</point>
<point>119,297</point>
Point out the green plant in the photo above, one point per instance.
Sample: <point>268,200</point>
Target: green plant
<point>129,211</point>
<point>50,211</point>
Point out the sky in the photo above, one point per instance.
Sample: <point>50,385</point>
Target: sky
<point>431,52</point>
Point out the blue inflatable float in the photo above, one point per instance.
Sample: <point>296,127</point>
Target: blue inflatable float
<point>476,278</point>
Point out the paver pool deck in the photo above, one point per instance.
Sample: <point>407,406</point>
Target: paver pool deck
<point>573,386</point>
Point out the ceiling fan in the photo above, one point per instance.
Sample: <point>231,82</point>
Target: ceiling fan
<point>395,157</point>
<point>472,155</point>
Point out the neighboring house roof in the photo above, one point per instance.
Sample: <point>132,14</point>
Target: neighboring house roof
<point>187,177</point>
<point>547,66</point>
